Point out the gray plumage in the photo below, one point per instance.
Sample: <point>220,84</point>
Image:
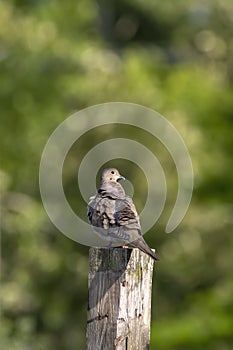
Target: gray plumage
<point>113,215</point>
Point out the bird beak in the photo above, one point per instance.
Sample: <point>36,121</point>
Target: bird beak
<point>120,178</point>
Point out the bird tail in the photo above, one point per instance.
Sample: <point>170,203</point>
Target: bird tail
<point>141,244</point>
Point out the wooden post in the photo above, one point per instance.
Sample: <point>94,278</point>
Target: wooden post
<point>119,299</point>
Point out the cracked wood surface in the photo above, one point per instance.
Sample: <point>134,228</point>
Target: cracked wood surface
<point>119,299</point>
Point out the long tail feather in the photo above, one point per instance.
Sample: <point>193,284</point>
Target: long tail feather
<point>141,244</point>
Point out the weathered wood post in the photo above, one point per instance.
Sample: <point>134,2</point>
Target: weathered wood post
<point>119,299</point>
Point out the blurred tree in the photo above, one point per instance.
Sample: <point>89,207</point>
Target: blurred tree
<point>58,57</point>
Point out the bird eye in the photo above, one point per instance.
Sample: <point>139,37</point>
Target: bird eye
<point>112,172</point>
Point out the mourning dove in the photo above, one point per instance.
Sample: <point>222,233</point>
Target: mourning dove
<point>113,215</point>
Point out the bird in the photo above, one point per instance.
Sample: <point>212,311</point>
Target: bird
<point>113,216</point>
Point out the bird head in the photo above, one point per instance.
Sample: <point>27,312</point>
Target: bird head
<point>111,174</point>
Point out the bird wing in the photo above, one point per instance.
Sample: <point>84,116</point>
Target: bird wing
<point>116,220</point>
<point>100,211</point>
<point>126,214</point>
<point>113,218</point>
<point>127,218</point>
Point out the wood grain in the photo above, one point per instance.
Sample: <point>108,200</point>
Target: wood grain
<point>119,299</point>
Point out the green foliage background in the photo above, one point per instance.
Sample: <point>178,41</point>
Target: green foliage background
<point>58,57</point>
